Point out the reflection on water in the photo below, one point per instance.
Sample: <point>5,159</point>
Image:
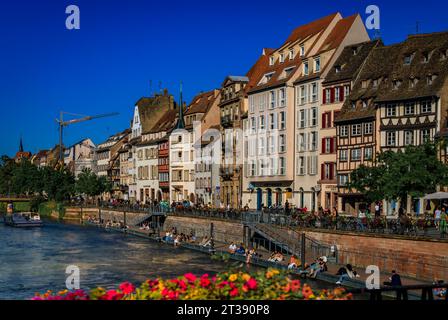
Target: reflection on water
<point>35,260</point>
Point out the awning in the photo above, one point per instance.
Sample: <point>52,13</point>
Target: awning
<point>437,196</point>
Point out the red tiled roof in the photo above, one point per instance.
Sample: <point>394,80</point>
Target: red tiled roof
<point>338,33</point>
<point>300,33</point>
<point>310,29</point>
<point>202,102</point>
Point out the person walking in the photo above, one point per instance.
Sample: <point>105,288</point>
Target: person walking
<point>437,215</point>
<point>443,223</point>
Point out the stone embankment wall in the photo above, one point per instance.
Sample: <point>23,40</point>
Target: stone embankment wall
<point>422,259</point>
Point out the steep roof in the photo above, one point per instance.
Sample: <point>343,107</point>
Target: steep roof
<point>337,35</point>
<point>350,63</point>
<point>202,102</point>
<point>166,123</point>
<point>387,64</point>
<point>278,69</point>
<point>149,108</point>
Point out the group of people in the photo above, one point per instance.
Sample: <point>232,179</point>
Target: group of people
<point>178,238</point>
<point>241,250</point>
<point>441,219</point>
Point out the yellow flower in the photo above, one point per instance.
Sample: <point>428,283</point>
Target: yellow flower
<point>246,277</point>
<point>61,293</point>
<point>233,277</point>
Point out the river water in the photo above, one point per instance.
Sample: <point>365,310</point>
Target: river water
<point>35,260</point>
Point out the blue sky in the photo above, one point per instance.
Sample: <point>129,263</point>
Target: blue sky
<point>123,45</point>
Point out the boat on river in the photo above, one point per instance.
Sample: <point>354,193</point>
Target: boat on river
<point>23,220</point>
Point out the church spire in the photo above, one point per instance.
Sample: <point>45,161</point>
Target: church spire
<point>180,121</point>
<point>21,145</point>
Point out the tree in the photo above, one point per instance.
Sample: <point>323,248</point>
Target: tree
<point>90,184</point>
<point>414,172</point>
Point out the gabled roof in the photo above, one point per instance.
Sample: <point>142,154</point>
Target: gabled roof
<point>166,123</point>
<point>202,102</point>
<point>386,64</point>
<point>278,68</point>
<point>350,63</point>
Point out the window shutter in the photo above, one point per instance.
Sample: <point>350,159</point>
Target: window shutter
<point>341,93</point>
<point>324,122</point>
<point>329,120</point>
<point>332,171</point>
<point>324,96</point>
<point>322,171</point>
<point>332,95</point>
<point>331,145</point>
<point>323,146</point>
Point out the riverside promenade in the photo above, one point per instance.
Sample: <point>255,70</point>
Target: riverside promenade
<point>419,260</point>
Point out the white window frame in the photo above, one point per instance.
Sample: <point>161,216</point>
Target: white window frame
<point>356,130</point>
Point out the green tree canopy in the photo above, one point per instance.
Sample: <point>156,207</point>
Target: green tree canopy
<point>416,171</point>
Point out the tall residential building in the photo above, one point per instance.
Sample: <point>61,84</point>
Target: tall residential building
<point>399,99</point>
<point>147,112</point>
<point>107,159</point>
<point>80,156</point>
<point>336,88</point>
<point>233,105</point>
<point>273,168</point>
<point>203,111</point>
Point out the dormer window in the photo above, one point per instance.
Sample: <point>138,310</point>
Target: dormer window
<point>413,82</point>
<point>337,69</point>
<point>267,77</point>
<point>291,54</point>
<point>364,103</point>
<point>271,60</point>
<point>426,57</point>
<point>302,50</point>
<point>355,51</point>
<point>430,79</point>
<point>317,65</point>
<point>396,84</point>
<point>408,59</point>
<point>305,68</point>
<point>282,57</point>
<point>375,83</point>
<point>365,84</point>
<point>443,54</point>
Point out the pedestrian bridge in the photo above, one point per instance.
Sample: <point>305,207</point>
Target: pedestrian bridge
<point>11,198</point>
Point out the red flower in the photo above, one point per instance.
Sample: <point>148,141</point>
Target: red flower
<point>252,284</point>
<point>127,288</point>
<point>190,277</point>
<point>112,295</point>
<point>295,285</point>
<point>234,292</point>
<point>205,282</point>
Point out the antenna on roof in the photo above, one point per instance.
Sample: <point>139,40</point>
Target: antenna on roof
<point>417,27</point>
<point>160,86</point>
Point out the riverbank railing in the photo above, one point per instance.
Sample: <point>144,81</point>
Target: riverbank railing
<point>414,227</point>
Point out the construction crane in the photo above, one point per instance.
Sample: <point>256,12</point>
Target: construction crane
<point>63,124</point>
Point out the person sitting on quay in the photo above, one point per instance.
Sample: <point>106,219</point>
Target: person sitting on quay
<point>241,250</point>
<point>250,253</point>
<point>317,267</point>
<point>346,273</point>
<point>276,257</point>
<point>232,248</point>
<point>439,292</point>
<point>293,263</point>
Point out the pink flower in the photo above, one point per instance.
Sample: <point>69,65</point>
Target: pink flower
<point>112,295</point>
<point>127,288</point>
<point>252,284</point>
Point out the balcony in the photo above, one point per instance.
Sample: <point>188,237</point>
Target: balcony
<point>226,173</point>
<point>226,121</point>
